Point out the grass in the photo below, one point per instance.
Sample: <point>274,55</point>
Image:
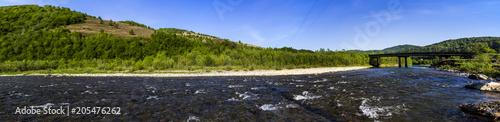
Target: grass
<point>92,26</point>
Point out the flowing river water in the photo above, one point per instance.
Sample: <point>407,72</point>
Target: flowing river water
<point>380,94</point>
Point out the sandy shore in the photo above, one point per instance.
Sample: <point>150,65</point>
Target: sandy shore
<point>214,73</point>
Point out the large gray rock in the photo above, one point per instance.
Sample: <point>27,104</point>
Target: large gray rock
<point>478,77</point>
<point>488,109</point>
<point>491,86</point>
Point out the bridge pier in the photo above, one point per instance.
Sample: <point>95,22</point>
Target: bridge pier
<point>406,62</point>
<point>375,61</point>
<point>399,58</point>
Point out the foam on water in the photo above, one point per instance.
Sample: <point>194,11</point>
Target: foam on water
<point>89,92</point>
<point>201,91</point>
<point>305,95</point>
<point>344,82</point>
<point>193,118</point>
<point>257,88</point>
<point>299,80</point>
<point>318,81</point>
<point>245,96</point>
<point>374,112</point>
<point>13,93</point>
<point>152,97</point>
<point>48,85</point>
<point>151,88</point>
<point>269,107</point>
<point>234,86</point>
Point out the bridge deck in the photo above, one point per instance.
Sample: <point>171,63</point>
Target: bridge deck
<point>375,58</point>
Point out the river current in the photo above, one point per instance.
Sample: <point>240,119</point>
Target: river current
<point>380,94</point>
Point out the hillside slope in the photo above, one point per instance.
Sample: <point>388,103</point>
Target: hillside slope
<point>194,35</point>
<point>92,26</point>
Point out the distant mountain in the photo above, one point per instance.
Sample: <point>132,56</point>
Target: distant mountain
<point>471,44</point>
<point>399,48</point>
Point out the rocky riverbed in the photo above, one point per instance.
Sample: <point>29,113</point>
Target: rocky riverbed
<point>375,94</point>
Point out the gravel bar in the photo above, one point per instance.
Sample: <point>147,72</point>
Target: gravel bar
<point>213,73</point>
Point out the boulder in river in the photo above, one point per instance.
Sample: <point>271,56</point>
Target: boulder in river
<point>488,109</point>
<point>491,86</point>
<point>478,77</point>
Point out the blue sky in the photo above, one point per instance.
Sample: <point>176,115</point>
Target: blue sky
<point>306,24</point>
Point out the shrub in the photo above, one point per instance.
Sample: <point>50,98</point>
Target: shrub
<point>209,61</point>
<point>207,70</point>
<point>131,32</point>
<point>228,68</point>
<point>252,68</point>
<point>139,65</point>
<point>191,68</point>
<point>110,23</point>
<point>100,20</point>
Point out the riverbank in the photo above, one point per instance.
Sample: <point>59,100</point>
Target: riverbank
<point>212,73</point>
<point>489,109</point>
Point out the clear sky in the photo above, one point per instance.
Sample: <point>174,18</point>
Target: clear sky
<point>306,24</point>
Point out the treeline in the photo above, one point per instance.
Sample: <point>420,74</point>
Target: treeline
<point>159,51</point>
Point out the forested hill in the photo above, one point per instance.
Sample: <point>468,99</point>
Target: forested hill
<point>390,49</point>
<point>29,18</point>
<point>38,38</point>
<point>473,44</point>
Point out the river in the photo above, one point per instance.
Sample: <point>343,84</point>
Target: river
<point>382,94</point>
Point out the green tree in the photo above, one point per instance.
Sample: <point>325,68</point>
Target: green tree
<point>100,20</point>
<point>110,23</point>
<point>131,32</point>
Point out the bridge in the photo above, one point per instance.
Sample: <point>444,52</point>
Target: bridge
<point>375,58</point>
